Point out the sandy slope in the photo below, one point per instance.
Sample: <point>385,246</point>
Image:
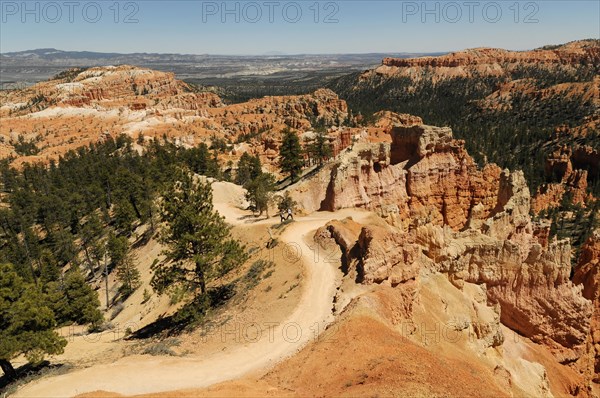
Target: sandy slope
<point>146,374</point>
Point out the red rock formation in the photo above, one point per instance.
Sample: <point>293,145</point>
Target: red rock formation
<point>476,228</point>
<point>548,196</point>
<point>108,86</point>
<point>530,283</point>
<point>577,52</point>
<point>386,120</point>
<point>444,184</point>
<point>80,105</point>
<point>343,232</point>
<point>387,256</point>
<point>587,274</point>
<point>342,141</point>
<point>366,180</point>
<point>382,254</point>
<point>558,164</point>
<point>585,156</point>
<point>541,231</point>
<point>569,167</point>
<point>424,174</point>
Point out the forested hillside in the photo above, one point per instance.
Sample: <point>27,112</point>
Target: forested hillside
<point>527,111</point>
<point>65,226</point>
<point>508,117</point>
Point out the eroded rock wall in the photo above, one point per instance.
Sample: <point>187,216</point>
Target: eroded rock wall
<point>474,226</point>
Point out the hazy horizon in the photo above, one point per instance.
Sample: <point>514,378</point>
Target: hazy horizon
<point>277,53</point>
<point>266,54</point>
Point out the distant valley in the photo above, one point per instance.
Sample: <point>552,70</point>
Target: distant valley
<point>429,226</point>
<point>245,76</point>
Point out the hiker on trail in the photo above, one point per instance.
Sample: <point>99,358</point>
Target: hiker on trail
<point>282,216</point>
<point>290,215</point>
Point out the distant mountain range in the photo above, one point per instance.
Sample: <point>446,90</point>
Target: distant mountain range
<point>31,66</point>
<point>53,54</point>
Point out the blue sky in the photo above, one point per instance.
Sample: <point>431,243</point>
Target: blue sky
<point>292,27</point>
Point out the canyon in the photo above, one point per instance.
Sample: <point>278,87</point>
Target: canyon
<point>472,226</point>
<point>427,271</point>
<point>81,106</point>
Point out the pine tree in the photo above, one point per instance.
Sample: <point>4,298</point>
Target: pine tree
<point>116,248</point>
<point>26,323</point>
<point>290,153</point>
<point>124,261</point>
<point>124,215</point>
<point>128,274</point>
<point>194,233</point>
<point>286,202</point>
<point>90,233</point>
<point>259,192</point>
<point>62,245</point>
<point>249,168</point>
<point>214,167</point>
<point>74,300</point>
<point>49,269</point>
<point>321,149</point>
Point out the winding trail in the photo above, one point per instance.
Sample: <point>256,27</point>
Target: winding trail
<point>148,374</point>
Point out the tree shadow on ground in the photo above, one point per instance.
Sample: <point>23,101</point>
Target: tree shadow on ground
<point>190,316</point>
<point>144,239</point>
<point>167,326</point>
<point>283,223</point>
<point>253,218</point>
<point>26,373</point>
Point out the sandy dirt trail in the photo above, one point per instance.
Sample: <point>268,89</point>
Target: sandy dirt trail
<point>148,374</point>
